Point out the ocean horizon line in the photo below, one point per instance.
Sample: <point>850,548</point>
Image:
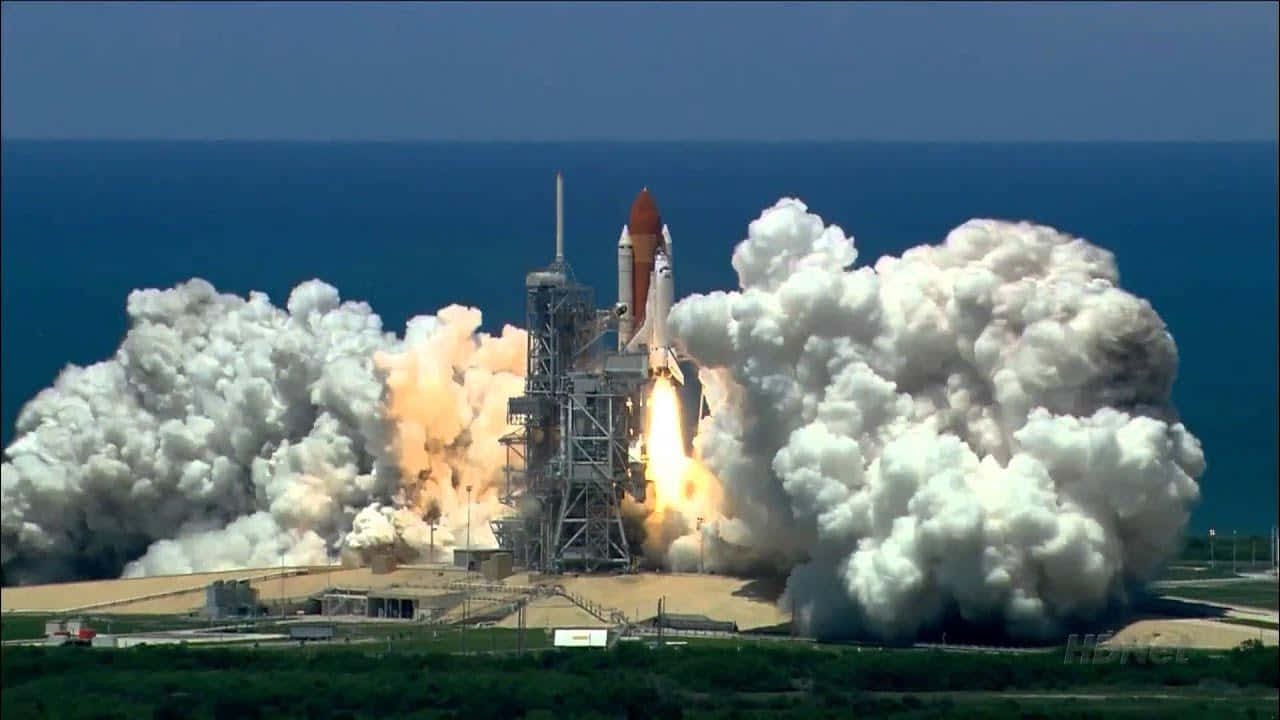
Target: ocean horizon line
<point>606,141</point>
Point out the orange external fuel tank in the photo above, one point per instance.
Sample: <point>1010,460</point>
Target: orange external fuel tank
<point>645,229</point>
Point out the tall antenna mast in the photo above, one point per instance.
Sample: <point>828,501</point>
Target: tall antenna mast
<point>559,219</point>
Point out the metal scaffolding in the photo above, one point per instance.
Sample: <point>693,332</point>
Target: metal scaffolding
<point>570,464</point>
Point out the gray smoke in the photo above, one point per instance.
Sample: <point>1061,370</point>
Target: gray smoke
<point>228,433</point>
<point>977,429</point>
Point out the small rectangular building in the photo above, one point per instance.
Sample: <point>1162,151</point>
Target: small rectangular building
<point>345,602</point>
<point>497,566</point>
<point>473,559</point>
<point>393,603</point>
<point>399,603</point>
<point>230,598</point>
<point>104,641</point>
<point>74,631</point>
<point>382,564</point>
<point>581,637</point>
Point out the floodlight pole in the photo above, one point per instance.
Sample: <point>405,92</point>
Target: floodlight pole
<point>468,527</point>
<point>701,564</point>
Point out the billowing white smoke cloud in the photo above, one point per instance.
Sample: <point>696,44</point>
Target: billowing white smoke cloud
<point>977,430</point>
<point>229,433</point>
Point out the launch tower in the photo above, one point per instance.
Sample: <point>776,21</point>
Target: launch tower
<point>571,462</point>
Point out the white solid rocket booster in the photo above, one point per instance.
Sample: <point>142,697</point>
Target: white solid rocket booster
<point>626,259</point>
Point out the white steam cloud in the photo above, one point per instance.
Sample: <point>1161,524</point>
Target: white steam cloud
<point>229,433</point>
<point>978,430</point>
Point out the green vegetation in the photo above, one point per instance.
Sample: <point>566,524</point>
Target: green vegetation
<point>767,680</point>
<point>1252,593</point>
<point>15,626</point>
<point>22,627</point>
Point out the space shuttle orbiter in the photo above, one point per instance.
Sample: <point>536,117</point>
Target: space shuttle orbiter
<point>646,287</point>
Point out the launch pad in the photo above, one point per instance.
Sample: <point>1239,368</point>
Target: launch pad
<point>579,450</point>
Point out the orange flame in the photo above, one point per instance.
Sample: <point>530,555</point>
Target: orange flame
<point>680,483</point>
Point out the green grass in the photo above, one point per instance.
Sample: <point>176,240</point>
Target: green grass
<point>21,627</point>
<point>1259,593</point>
<point>15,626</point>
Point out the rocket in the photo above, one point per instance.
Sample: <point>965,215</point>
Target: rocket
<point>646,287</point>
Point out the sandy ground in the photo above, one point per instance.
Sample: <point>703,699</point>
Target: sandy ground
<point>188,590</point>
<point>717,597</point>
<point>746,602</point>
<point>1192,633</point>
<point>751,604</point>
<point>358,578</point>
<point>77,594</point>
<point>552,612</point>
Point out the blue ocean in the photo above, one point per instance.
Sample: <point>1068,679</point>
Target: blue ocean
<point>410,228</point>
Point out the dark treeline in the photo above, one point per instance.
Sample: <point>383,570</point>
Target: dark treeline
<point>630,681</point>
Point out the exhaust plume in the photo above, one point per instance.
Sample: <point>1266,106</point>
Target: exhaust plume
<point>683,494</point>
<point>229,433</point>
<point>979,429</point>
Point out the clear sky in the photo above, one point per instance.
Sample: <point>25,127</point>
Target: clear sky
<point>620,71</point>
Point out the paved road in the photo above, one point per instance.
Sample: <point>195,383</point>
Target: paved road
<point>1018,650</point>
<point>1237,611</point>
<point>1252,577</point>
<point>39,641</point>
<point>949,647</point>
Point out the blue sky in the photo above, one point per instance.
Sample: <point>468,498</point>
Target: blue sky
<point>721,71</point>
